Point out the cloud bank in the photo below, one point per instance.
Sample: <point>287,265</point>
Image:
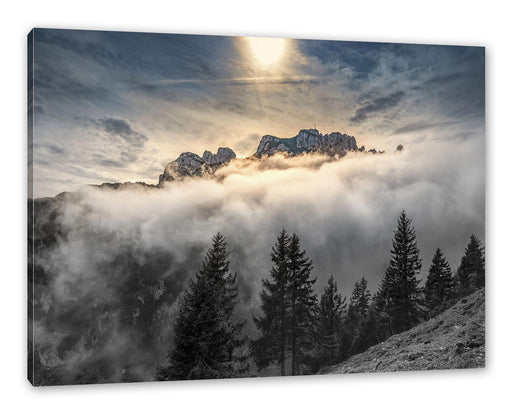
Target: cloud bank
<point>150,242</point>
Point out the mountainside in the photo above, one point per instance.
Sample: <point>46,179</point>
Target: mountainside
<point>453,339</point>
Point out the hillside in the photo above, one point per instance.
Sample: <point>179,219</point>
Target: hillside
<point>453,339</point>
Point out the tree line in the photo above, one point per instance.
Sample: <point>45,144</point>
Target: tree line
<point>300,333</point>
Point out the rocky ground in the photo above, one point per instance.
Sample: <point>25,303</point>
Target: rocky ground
<point>454,339</point>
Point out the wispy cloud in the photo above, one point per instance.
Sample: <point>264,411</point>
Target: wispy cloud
<point>240,80</point>
<point>376,105</point>
<point>422,126</point>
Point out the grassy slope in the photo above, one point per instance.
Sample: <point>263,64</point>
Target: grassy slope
<point>453,339</point>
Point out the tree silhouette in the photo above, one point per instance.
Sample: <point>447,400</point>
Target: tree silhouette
<point>206,331</point>
<point>439,286</point>
<point>329,335</point>
<point>288,305</point>
<point>399,299</point>
<point>471,272</point>
<point>273,324</point>
<point>358,312</point>
<point>303,303</point>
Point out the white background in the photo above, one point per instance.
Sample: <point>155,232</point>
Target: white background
<point>444,22</point>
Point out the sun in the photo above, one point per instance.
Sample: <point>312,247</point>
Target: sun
<point>267,50</point>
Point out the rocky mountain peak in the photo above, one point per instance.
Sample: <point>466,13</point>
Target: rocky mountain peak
<point>306,141</point>
<point>223,155</point>
<point>189,164</point>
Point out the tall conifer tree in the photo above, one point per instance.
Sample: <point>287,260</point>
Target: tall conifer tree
<point>330,332</point>
<point>400,297</point>
<point>471,272</point>
<point>439,286</point>
<point>360,298</point>
<point>273,324</point>
<point>381,303</point>
<point>303,303</point>
<point>358,312</point>
<point>368,334</point>
<point>288,305</point>
<point>206,331</point>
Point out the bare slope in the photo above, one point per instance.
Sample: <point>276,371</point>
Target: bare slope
<point>453,339</point>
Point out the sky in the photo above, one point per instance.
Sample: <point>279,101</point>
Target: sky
<point>115,107</point>
<point>118,106</point>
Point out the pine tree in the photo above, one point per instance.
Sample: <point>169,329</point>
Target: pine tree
<point>288,305</point>
<point>206,331</point>
<point>358,312</point>
<point>399,299</point>
<point>379,308</point>
<point>440,285</point>
<point>273,323</point>
<point>329,334</point>
<point>360,298</point>
<point>381,303</point>
<point>471,272</point>
<point>303,303</point>
<point>368,334</point>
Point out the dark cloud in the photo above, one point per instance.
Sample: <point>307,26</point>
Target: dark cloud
<point>376,105</point>
<point>362,57</point>
<point>128,157</point>
<point>55,149</point>
<point>109,162</point>
<point>421,126</point>
<point>123,129</point>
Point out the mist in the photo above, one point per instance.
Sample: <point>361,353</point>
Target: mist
<point>122,258</point>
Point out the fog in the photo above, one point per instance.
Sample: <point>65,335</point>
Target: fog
<point>344,211</point>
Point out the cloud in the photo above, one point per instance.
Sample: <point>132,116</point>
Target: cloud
<point>421,126</point>
<point>239,80</point>
<point>123,129</point>
<point>375,105</point>
<point>191,93</point>
<point>152,241</point>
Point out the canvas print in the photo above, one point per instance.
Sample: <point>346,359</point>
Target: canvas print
<point>212,207</point>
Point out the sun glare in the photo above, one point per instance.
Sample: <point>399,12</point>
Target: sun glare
<point>267,50</point>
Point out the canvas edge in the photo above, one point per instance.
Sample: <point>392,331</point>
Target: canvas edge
<point>30,206</point>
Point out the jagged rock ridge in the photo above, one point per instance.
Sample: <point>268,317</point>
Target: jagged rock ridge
<point>189,164</point>
<point>308,140</point>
